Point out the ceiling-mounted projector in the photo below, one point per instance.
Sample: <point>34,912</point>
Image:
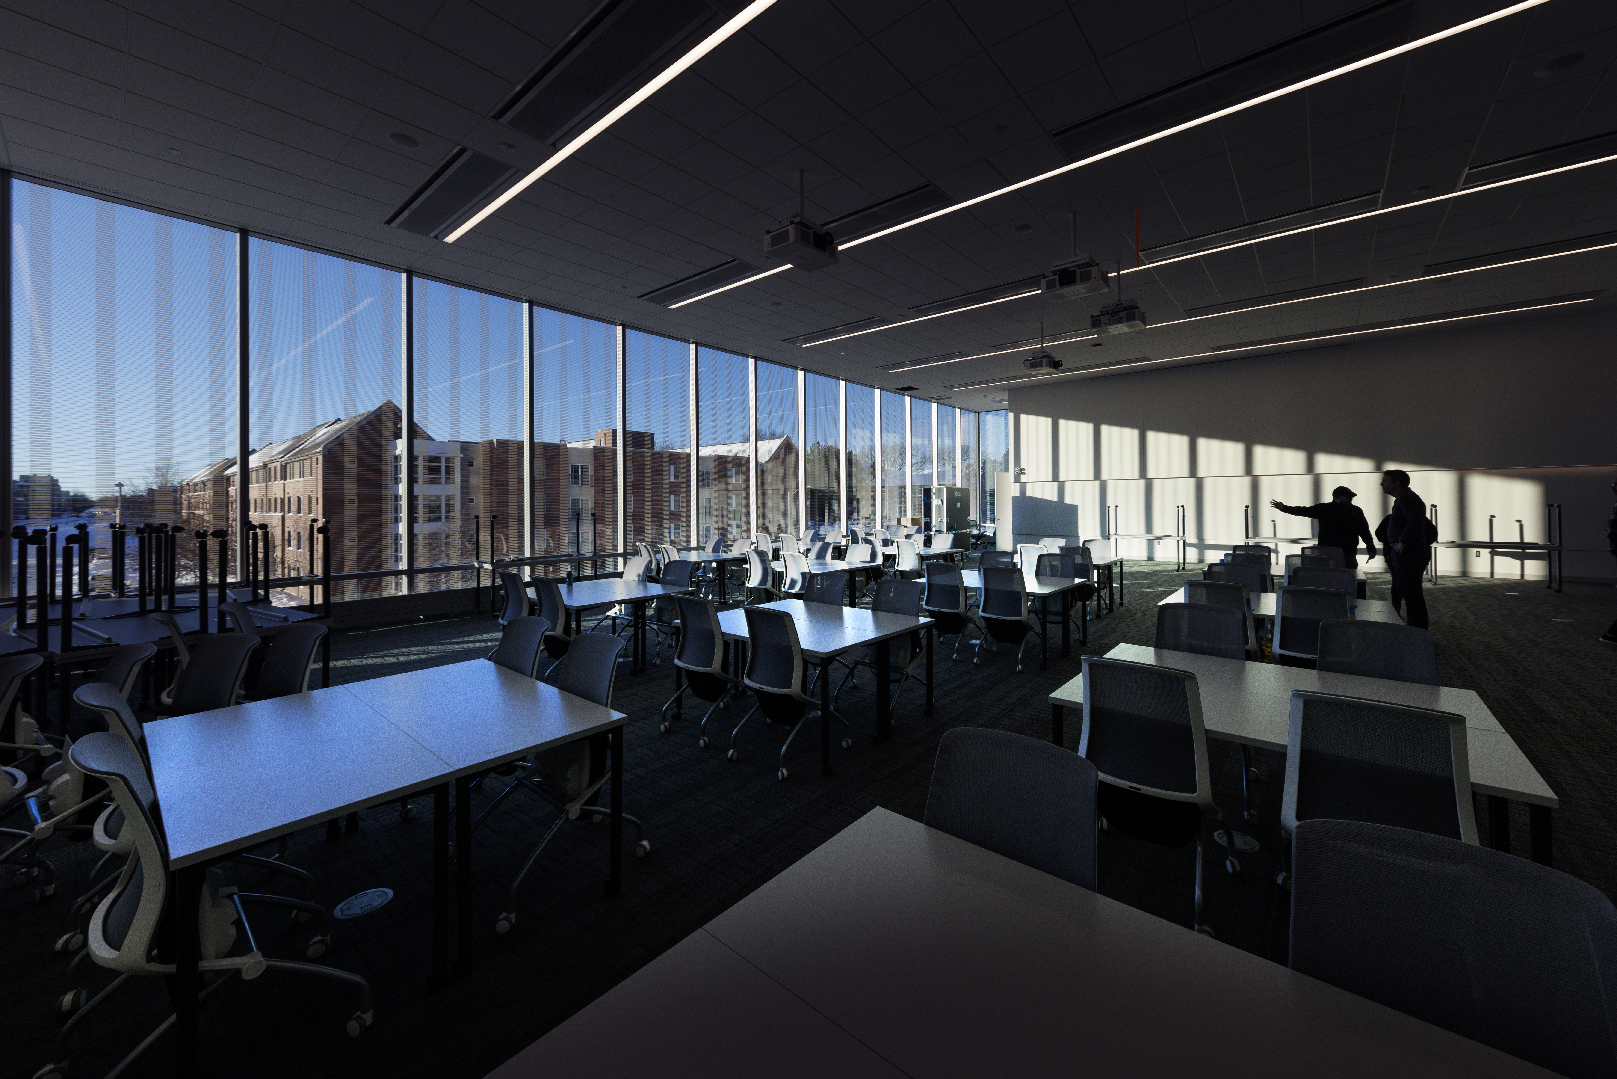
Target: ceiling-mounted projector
<point>1124,316</point>
<point>1079,277</point>
<point>800,243</point>
<point>1042,361</point>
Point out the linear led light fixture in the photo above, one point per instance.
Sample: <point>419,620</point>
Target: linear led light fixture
<point>731,285</point>
<point>1270,344</point>
<point>919,318</point>
<point>1146,140</point>
<point>1371,213</point>
<point>918,364</point>
<point>667,75</point>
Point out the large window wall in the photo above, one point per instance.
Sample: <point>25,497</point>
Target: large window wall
<point>920,449</point>
<point>970,462</point>
<point>948,473</point>
<point>996,456</point>
<point>396,411</point>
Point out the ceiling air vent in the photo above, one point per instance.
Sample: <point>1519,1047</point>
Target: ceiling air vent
<point>461,184</point>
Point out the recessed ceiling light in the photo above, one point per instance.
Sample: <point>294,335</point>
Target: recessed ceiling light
<point>1023,229</point>
<point>1421,190</point>
<point>174,151</point>
<point>508,147</point>
<point>1562,63</point>
<point>409,142</point>
<point>663,78</point>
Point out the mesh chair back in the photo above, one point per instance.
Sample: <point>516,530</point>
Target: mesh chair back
<point>636,568</point>
<point>1343,580</point>
<point>237,616</point>
<point>1248,558</point>
<point>1083,559</point>
<point>761,541</point>
<point>826,588</point>
<point>1333,555</point>
<point>757,569</point>
<point>645,551</point>
<point>1143,729</point>
<point>291,658</point>
<point>860,554</point>
<point>1243,573</point>
<point>1298,613</point>
<point>587,669</point>
<point>1202,629</point>
<point>1004,594</point>
<point>789,543</point>
<point>854,536</point>
<point>677,574</point>
<point>796,572</point>
<point>701,641</point>
<point>521,644</point>
<point>105,700</point>
<point>128,919</point>
<point>1266,551</point>
<point>819,552</point>
<point>908,559</point>
<point>550,605</point>
<point>1378,650</point>
<point>894,595</point>
<point>123,667</point>
<point>1352,759</point>
<point>1057,565</point>
<point>181,647</point>
<point>945,590</point>
<point>213,677</point>
<point>667,553</point>
<point>1495,948</point>
<point>774,656</point>
<point>516,596</point>
<point>717,546</point>
<point>1216,594</point>
<point>1019,797</point>
<point>996,560</point>
<point>1027,554</point>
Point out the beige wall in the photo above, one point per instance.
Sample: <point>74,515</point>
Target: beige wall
<point>1490,419</point>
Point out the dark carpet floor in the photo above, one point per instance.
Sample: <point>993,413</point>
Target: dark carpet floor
<point>720,829</point>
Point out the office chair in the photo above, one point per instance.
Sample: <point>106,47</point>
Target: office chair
<point>213,677</point>
<point>44,798</point>
<point>522,645</point>
<point>516,596</point>
<point>128,930</point>
<point>290,661</point>
<point>944,601</point>
<point>567,777</point>
<point>1343,580</point>
<point>182,652</point>
<point>907,562</point>
<point>124,667</point>
<point>1229,595</point>
<point>996,560</point>
<point>704,656</point>
<point>238,618</point>
<point>1266,551</point>
<point>1143,732</point>
<point>663,618</point>
<point>795,577</point>
<point>831,588</point>
<point>717,546</point>
<point>1083,559</point>
<point>892,597</point>
<point>1333,555</point>
<point>778,678</point>
<point>1239,557</point>
<point>1066,567</point>
<point>1378,650</point>
<point>1495,948</point>
<point>788,542</point>
<point>1027,555</point>
<point>1201,628</point>
<point>560,633</point>
<point>1003,609</point>
<point>1019,797</point>
<point>819,552</point>
<point>760,589</point>
<point>1253,578</point>
<point>1298,614</point>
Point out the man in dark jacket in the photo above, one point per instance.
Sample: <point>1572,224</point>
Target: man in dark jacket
<point>1610,636</point>
<point>1409,545</point>
<point>1341,524</point>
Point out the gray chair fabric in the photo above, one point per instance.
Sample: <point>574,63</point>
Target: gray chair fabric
<point>1027,800</point>
<point>676,573</point>
<point>1296,562</point>
<point>1003,610</point>
<point>996,559</point>
<point>124,666</point>
<point>290,659</point>
<point>1239,557</point>
<point>516,596</point>
<point>1298,614</point>
<point>1378,650</point>
<point>1353,759</point>
<point>829,588</point>
<point>589,666</point>
<point>1256,548</point>
<point>1056,565</point>
<point>1085,560</point>
<point>1201,628</point>
<point>213,677</point>
<point>1343,580</point>
<point>1333,555</point>
<point>551,610</point>
<point>1253,578</point>
<point>1230,594</point>
<point>522,645</point>
<point>1495,948</point>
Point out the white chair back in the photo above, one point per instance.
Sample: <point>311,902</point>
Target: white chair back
<point>636,568</point>
<point>908,560</point>
<point>796,571</point>
<point>789,544</point>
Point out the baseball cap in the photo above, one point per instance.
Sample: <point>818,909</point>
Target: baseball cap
<point>1343,491</point>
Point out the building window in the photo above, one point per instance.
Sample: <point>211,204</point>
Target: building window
<point>578,475</point>
<point>398,509</point>
<point>673,473</point>
<point>299,536</point>
<point>704,479</point>
<point>735,473</point>
<point>434,509</point>
<point>299,502</point>
<point>673,503</point>
<point>396,479</point>
<point>674,534</point>
<point>435,470</point>
<point>350,501</point>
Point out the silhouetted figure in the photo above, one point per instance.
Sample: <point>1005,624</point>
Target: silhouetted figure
<point>1409,546</point>
<point>1341,524</point>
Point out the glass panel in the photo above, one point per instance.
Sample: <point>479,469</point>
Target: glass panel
<point>468,411</point>
<point>894,466</point>
<point>124,384</point>
<point>970,464</point>
<point>996,455</point>
<point>657,440</point>
<point>777,449</point>
<point>575,419</point>
<point>325,374</point>
<point>861,456</point>
<point>726,446</point>
<point>822,416</point>
<point>920,447</point>
<point>948,474</point>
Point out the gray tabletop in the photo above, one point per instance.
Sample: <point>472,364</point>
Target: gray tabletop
<point>1036,586</point>
<point>706,556</point>
<point>103,632</point>
<point>827,629</point>
<point>1263,606</point>
<point>949,960</point>
<point>1251,703</point>
<point>582,594</point>
<point>825,565</point>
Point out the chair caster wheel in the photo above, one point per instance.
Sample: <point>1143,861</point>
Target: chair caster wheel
<point>360,1023</point>
<point>701,743</point>
<point>665,726</point>
<point>503,924</point>
<point>44,893</point>
<point>1232,867</point>
<point>317,946</point>
<point>51,1071</point>
<point>68,942</point>
<point>1205,930</point>
<point>781,775</point>
<point>23,876</point>
<point>847,743</point>
<point>596,818</point>
<point>70,1002</point>
<point>642,848</point>
<point>732,756</point>
<point>301,916</point>
<point>1282,879</point>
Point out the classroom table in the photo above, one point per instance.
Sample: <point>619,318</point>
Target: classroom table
<point>718,562</point>
<point>826,631</point>
<point>331,752</point>
<point>1263,606</point>
<point>897,949</point>
<point>834,565</point>
<point>1250,704</point>
<point>580,596</point>
<point>1041,589</point>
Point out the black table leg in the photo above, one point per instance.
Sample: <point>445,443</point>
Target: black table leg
<point>1539,840</point>
<point>1066,622</point>
<point>1058,725</point>
<point>325,659</point>
<point>679,684</point>
<point>884,690</point>
<point>1120,600</point>
<point>614,879</point>
<point>825,716</point>
<point>637,634</point>
<point>463,877</point>
<point>187,884</point>
<point>1499,823</point>
<point>1044,632</point>
<point>440,889</point>
<point>1083,627</point>
<point>931,641</point>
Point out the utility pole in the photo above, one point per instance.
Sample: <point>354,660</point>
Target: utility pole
<point>118,515</point>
